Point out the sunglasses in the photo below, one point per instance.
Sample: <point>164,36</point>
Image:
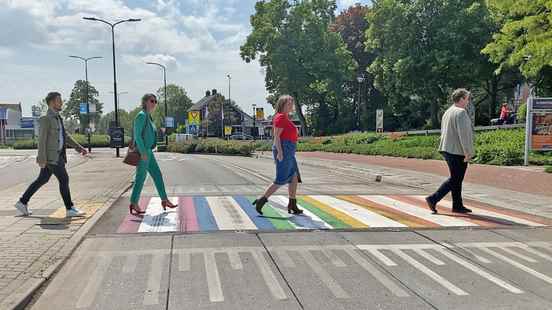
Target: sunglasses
<point>153,101</point>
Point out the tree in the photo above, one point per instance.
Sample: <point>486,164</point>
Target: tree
<point>524,41</point>
<point>178,104</point>
<point>78,96</point>
<point>426,48</point>
<point>301,56</point>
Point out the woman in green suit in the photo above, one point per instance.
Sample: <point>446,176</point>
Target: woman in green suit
<point>145,140</point>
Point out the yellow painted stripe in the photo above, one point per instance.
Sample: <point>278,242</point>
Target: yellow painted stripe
<point>335,213</point>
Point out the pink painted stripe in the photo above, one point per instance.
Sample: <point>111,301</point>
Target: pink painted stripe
<point>131,223</point>
<point>187,214</point>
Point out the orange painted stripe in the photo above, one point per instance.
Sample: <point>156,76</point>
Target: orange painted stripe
<point>401,217</point>
<point>513,213</point>
<point>472,218</point>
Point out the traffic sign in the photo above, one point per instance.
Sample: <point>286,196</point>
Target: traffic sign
<point>117,137</point>
<point>379,120</point>
<point>169,122</point>
<point>194,118</point>
<point>83,108</point>
<point>227,130</point>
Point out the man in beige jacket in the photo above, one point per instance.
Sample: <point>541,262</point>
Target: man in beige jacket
<point>52,157</point>
<point>457,148</point>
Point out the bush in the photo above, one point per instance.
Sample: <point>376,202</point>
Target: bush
<point>96,141</point>
<point>25,145</point>
<point>548,169</point>
<point>213,146</point>
<point>522,113</point>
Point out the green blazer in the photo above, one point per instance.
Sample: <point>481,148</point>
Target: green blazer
<point>144,140</point>
<point>48,140</point>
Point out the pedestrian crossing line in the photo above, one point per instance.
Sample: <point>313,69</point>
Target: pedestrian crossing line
<point>386,211</point>
<point>213,278</point>
<point>151,295</point>
<point>518,218</point>
<point>514,213</point>
<point>269,277</point>
<point>130,264</point>
<point>324,276</point>
<point>89,293</point>
<point>236,213</point>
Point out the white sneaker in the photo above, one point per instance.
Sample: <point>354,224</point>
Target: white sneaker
<point>74,212</point>
<point>22,209</point>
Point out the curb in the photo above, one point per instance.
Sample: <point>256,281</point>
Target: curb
<point>23,295</point>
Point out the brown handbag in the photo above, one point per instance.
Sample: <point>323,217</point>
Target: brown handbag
<point>132,157</point>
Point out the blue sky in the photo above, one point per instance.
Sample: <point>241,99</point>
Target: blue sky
<point>198,40</point>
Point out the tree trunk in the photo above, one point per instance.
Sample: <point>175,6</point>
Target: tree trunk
<point>434,114</point>
<point>299,112</point>
<point>494,97</point>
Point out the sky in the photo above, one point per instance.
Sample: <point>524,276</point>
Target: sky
<point>198,41</point>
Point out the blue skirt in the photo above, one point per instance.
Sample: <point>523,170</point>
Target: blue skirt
<point>287,168</point>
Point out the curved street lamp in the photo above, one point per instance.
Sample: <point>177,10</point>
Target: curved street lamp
<point>112,25</point>
<point>165,87</point>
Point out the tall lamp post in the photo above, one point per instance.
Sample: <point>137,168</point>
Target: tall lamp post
<point>112,25</point>
<point>229,101</point>
<point>165,91</point>
<point>360,79</point>
<point>254,132</point>
<point>87,94</point>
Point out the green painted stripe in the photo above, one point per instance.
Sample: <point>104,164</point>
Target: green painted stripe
<point>334,222</point>
<point>279,221</point>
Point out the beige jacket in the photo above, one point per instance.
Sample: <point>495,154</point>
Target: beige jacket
<point>457,132</point>
<point>48,140</point>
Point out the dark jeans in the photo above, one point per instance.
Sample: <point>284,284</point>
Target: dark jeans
<point>457,168</point>
<point>45,173</point>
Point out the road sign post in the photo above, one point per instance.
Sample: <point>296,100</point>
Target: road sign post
<point>379,120</point>
<point>538,126</point>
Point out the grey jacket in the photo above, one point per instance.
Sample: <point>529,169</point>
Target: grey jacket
<point>48,140</point>
<point>457,132</point>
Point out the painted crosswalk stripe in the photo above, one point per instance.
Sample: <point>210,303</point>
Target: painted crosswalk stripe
<point>268,276</point>
<point>184,261</point>
<point>151,295</point>
<point>235,261</point>
<point>324,276</point>
<point>130,264</point>
<point>187,215</point>
<point>419,212</point>
<point>300,222</point>
<point>229,215</point>
<point>285,259</point>
<point>397,215</point>
<point>204,215</point>
<point>322,214</point>
<point>157,220</point>
<point>430,273</point>
<point>518,255</point>
<point>479,211</point>
<point>213,278</point>
<point>131,223</point>
<point>520,266</point>
<point>259,221</point>
<point>310,217</point>
<point>94,282</point>
<point>429,257</point>
<point>278,218</point>
<point>510,212</point>
<point>340,215</point>
<point>369,218</point>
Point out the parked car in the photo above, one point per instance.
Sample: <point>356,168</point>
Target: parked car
<point>241,136</point>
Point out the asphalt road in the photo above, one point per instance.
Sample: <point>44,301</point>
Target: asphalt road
<point>169,261</point>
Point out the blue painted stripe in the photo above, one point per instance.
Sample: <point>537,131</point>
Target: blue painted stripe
<point>205,217</point>
<point>259,221</point>
<point>302,221</point>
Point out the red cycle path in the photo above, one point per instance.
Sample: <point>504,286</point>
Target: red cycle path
<point>532,182</point>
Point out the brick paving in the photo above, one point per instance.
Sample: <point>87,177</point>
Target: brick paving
<point>29,245</point>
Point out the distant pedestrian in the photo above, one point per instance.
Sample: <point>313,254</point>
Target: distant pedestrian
<point>145,140</point>
<point>283,150</point>
<point>504,114</point>
<point>457,148</point>
<point>52,157</point>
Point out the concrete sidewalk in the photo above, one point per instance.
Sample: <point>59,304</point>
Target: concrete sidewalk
<point>32,247</point>
<point>506,187</point>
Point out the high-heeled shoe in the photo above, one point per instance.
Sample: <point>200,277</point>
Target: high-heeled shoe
<point>135,210</point>
<point>292,207</point>
<point>167,204</point>
<point>259,203</point>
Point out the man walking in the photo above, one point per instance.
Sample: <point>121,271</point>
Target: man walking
<point>52,157</point>
<point>457,148</point>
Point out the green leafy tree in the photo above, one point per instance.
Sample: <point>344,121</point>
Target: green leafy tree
<point>426,48</point>
<point>78,96</point>
<point>524,41</point>
<point>178,104</point>
<point>299,52</point>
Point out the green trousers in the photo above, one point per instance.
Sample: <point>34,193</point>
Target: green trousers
<point>145,166</point>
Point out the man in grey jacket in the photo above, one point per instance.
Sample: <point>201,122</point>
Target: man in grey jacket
<point>457,148</point>
<point>52,157</point>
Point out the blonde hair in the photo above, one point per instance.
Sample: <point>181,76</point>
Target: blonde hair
<point>282,101</point>
<point>146,98</point>
<point>459,94</point>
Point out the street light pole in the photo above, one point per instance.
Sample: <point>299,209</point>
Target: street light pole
<point>87,95</point>
<point>253,133</point>
<point>360,79</point>
<point>229,101</point>
<point>165,91</point>
<point>112,25</point>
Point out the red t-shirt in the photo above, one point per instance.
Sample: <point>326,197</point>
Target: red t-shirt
<point>289,132</point>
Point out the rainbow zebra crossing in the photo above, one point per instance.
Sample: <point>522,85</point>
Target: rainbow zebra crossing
<point>321,212</point>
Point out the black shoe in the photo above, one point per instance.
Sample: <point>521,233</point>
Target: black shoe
<point>431,205</point>
<point>292,207</point>
<point>461,210</point>
<point>259,203</point>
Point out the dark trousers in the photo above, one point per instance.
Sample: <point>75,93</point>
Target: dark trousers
<point>45,173</point>
<point>457,168</point>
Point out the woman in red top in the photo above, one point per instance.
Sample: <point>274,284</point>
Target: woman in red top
<point>283,149</point>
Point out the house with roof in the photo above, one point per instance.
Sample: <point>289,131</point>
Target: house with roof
<point>13,125</point>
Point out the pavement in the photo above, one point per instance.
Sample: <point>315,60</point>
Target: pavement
<point>362,243</point>
<point>31,248</point>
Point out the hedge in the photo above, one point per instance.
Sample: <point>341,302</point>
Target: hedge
<point>213,146</point>
<point>96,141</point>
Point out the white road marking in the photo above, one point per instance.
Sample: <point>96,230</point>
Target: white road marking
<point>429,257</point>
<point>430,273</point>
<point>361,214</point>
<point>157,220</point>
<point>446,221</point>
<point>229,215</point>
<point>324,276</point>
<point>213,277</point>
<point>94,282</point>
<point>285,259</point>
<point>334,259</point>
<point>518,255</point>
<point>382,257</point>
<point>151,295</point>
<point>130,264</point>
<point>184,261</point>
<point>235,261</point>
<point>269,277</point>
